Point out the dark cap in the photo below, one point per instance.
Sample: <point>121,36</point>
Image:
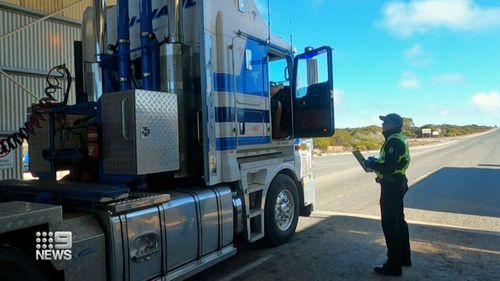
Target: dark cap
<point>393,118</point>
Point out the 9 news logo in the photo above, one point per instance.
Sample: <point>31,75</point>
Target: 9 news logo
<point>53,245</point>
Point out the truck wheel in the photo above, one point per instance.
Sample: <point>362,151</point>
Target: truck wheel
<point>282,210</point>
<point>16,266</point>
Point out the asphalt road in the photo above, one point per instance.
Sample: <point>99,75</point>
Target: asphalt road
<point>452,208</point>
<point>456,182</point>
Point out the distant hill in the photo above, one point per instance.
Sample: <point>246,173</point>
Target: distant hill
<point>371,138</point>
<point>454,130</point>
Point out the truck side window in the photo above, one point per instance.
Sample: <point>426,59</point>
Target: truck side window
<point>280,97</point>
<point>308,74</point>
<point>313,114</point>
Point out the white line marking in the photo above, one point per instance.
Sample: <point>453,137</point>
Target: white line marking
<point>419,147</point>
<point>246,268</point>
<point>466,229</point>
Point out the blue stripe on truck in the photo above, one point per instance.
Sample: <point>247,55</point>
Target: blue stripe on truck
<point>230,143</point>
<point>228,114</point>
<point>239,84</point>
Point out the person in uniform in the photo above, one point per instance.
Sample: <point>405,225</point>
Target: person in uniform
<point>390,168</point>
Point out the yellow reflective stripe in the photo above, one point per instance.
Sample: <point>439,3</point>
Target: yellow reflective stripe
<point>405,156</point>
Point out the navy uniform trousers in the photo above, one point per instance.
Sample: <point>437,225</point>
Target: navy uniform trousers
<point>393,190</point>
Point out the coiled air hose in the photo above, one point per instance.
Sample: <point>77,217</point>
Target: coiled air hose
<point>16,139</point>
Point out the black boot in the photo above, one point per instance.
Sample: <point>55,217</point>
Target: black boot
<point>386,269</point>
<point>406,263</point>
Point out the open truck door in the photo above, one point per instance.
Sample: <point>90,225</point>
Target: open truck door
<point>312,92</point>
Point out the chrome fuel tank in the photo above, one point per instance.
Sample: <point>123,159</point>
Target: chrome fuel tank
<point>198,222</point>
<point>158,234</point>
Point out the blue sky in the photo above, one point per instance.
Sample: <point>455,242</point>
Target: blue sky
<point>436,61</point>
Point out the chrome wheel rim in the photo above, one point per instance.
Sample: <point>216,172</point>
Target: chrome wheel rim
<point>284,210</point>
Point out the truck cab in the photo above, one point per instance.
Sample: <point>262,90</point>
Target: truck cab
<point>178,147</point>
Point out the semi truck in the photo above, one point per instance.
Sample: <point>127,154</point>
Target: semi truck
<point>177,148</point>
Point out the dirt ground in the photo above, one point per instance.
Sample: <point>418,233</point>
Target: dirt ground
<point>336,247</point>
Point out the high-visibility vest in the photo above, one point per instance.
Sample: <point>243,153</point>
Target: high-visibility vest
<point>404,157</point>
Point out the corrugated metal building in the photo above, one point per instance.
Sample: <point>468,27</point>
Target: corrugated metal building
<point>28,55</point>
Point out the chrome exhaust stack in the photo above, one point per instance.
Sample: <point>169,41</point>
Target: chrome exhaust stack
<point>174,21</point>
<point>175,68</point>
<point>94,38</point>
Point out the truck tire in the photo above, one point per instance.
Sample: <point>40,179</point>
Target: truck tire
<point>282,210</point>
<point>16,266</point>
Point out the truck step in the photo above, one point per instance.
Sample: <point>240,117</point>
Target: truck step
<point>254,187</point>
<point>255,212</point>
<point>255,236</point>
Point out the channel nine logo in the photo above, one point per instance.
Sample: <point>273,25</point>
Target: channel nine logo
<point>53,245</point>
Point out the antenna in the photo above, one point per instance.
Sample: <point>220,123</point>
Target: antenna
<point>291,33</point>
<point>268,22</point>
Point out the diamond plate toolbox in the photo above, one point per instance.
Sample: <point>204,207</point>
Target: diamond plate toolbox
<point>140,132</point>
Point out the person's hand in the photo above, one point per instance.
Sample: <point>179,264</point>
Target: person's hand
<point>369,162</point>
<point>276,89</point>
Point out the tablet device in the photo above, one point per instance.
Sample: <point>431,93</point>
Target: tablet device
<point>361,160</point>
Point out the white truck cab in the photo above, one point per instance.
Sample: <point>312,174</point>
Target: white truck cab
<point>178,150</point>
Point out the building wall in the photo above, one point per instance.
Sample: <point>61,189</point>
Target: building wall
<point>27,56</point>
<point>50,6</point>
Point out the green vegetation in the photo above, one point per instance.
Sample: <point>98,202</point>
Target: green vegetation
<point>454,131</point>
<point>371,138</point>
<point>366,138</point>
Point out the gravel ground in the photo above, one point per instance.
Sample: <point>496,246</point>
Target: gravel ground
<point>339,247</point>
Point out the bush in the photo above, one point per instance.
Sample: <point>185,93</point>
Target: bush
<point>371,138</point>
<point>367,145</point>
<point>342,137</point>
<point>322,143</point>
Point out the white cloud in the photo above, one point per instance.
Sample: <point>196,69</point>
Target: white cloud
<point>440,113</point>
<point>489,102</point>
<point>422,62</point>
<point>414,52</point>
<point>407,18</point>
<point>450,78</point>
<point>409,81</point>
<point>417,56</point>
<point>338,97</point>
